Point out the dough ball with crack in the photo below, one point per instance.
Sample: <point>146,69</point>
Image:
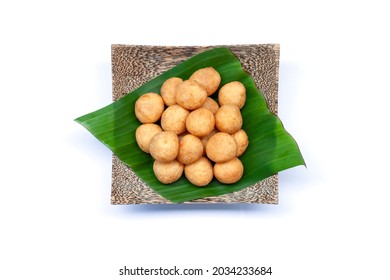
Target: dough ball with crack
<point>208,78</point>
<point>168,172</point>
<point>200,122</point>
<point>242,141</point>
<point>174,119</point>
<point>200,172</point>
<point>229,172</point>
<point>233,93</point>
<point>221,147</point>
<point>190,149</point>
<point>190,95</point>
<point>164,146</point>
<point>210,104</point>
<point>168,90</point>
<point>144,133</point>
<point>149,107</point>
<point>228,119</point>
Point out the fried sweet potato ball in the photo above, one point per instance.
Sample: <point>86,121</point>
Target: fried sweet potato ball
<point>144,133</point>
<point>168,172</point>
<point>242,142</point>
<point>200,122</point>
<point>228,119</point>
<point>208,78</point>
<point>149,107</point>
<point>233,93</point>
<point>168,90</point>
<point>190,95</point>
<point>190,149</point>
<point>164,146</point>
<point>174,119</point>
<point>200,172</point>
<point>221,147</point>
<point>211,104</point>
<point>229,172</point>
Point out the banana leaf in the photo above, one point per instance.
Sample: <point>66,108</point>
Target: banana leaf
<point>271,148</point>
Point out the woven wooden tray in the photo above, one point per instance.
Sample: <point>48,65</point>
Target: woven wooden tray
<point>134,65</point>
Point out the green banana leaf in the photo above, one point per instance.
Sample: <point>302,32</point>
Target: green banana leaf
<point>271,148</point>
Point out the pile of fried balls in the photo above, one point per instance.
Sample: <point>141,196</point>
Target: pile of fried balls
<point>184,129</point>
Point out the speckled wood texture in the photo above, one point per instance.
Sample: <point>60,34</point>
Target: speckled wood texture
<point>134,65</point>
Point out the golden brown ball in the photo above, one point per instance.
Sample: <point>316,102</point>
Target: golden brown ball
<point>168,172</point>
<point>228,119</point>
<point>210,104</point>
<point>200,172</point>
<point>174,119</point>
<point>149,107</point>
<point>229,172</point>
<point>190,149</point>
<point>242,141</point>
<point>208,78</point>
<point>168,90</point>
<point>164,146</point>
<point>221,147</point>
<point>233,93</point>
<point>144,133</point>
<point>200,122</point>
<point>190,95</point>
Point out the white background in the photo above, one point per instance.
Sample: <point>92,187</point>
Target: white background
<point>55,214</point>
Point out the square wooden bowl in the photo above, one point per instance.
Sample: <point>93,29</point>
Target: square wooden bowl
<point>134,65</point>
